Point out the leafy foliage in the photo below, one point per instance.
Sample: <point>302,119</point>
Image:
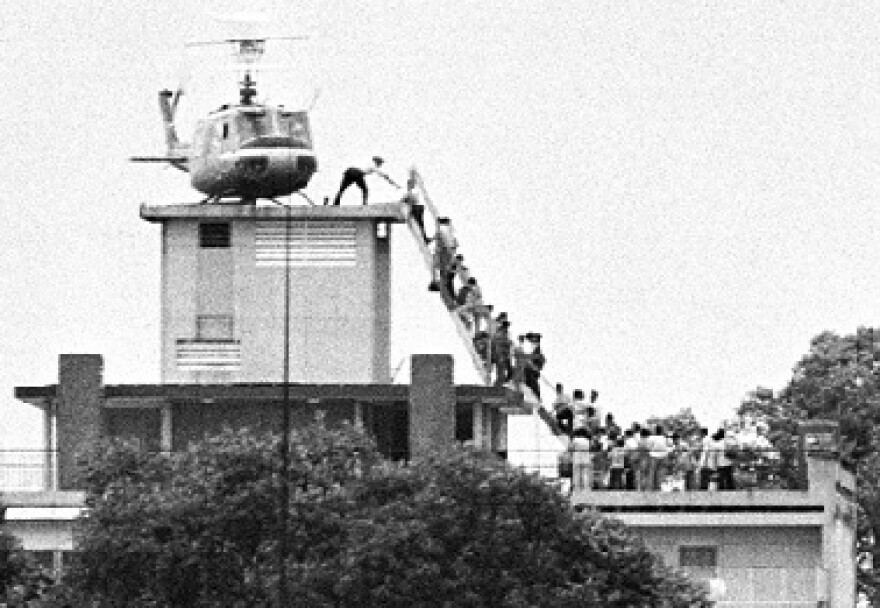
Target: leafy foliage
<point>838,380</point>
<point>22,580</point>
<point>684,422</point>
<point>201,529</point>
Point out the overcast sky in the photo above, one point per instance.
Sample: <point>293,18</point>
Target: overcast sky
<point>677,195</point>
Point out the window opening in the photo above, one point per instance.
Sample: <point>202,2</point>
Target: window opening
<point>214,235</point>
<point>699,560</point>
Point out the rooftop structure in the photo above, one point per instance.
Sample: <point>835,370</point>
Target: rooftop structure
<point>223,306</point>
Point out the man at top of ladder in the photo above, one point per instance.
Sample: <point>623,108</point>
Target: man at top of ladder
<point>354,175</point>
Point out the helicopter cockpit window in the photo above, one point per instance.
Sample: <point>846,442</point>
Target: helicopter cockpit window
<point>254,125</point>
<point>295,126</point>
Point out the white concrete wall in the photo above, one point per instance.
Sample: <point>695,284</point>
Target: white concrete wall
<point>339,321</point>
<point>759,566</point>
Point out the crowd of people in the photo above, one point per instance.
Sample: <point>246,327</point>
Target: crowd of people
<point>602,455</point>
<point>599,453</point>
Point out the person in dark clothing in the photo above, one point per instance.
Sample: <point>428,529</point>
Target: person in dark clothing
<point>501,347</point>
<point>354,175</point>
<point>534,364</point>
<point>562,410</point>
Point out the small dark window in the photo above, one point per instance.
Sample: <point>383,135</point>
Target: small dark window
<point>214,235</point>
<point>225,130</point>
<point>703,558</point>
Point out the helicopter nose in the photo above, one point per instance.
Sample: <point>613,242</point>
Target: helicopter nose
<point>252,167</point>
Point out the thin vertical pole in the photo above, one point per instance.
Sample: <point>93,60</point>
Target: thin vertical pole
<point>283,592</point>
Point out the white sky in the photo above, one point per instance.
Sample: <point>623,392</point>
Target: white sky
<point>677,195</point>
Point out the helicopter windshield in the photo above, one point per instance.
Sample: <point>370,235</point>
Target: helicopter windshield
<point>252,126</point>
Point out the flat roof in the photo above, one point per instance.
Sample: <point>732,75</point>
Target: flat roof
<point>465,393</point>
<point>388,212</point>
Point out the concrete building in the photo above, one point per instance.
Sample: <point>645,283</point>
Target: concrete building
<point>759,548</point>
<point>238,283</point>
<point>224,269</point>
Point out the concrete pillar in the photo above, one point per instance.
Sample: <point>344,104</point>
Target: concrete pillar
<point>499,432</point>
<point>359,415</point>
<point>79,417</point>
<point>431,405</point>
<point>479,425</point>
<point>823,472</point>
<point>166,430</point>
<point>50,464</point>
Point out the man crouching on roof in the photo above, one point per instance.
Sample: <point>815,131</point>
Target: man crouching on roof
<point>354,175</point>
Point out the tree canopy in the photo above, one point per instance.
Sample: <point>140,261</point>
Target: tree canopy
<point>684,423</point>
<point>200,528</point>
<point>837,380</point>
<point>22,580</point>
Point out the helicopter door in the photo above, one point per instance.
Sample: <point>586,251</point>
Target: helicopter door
<point>227,137</point>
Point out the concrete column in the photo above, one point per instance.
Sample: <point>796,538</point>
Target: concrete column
<point>50,463</point>
<point>166,430</point>
<point>499,433</point>
<point>431,405</point>
<point>79,418</point>
<point>479,425</point>
<point>358,415</point>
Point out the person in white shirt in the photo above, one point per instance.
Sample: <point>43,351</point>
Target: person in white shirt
<point>582,461</point>
<point>471,309</point>
<point>618,465</point>
<point>579,409</point>
<point>658,450</point>
<point>706,460</point>
<point>631,447</point>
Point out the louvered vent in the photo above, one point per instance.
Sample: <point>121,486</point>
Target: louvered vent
<point>208,355</point>
<point>317,244</point>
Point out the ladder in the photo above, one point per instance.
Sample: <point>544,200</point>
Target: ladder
<point>484,368</point>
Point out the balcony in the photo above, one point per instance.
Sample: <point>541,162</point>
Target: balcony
<point>27,470</point>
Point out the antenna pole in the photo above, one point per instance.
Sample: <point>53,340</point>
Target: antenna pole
<point>283,551</point>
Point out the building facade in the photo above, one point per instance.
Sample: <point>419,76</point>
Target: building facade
<point>755,548</point>
<point>224,305</point>
<point>238,284</point>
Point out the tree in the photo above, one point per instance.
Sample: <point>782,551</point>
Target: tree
<point>459,529</point>
<point>684,423</point>
<point>22,580</point>
<point>837,379</point>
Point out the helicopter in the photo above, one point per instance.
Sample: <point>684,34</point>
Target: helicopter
<point>248,150</point>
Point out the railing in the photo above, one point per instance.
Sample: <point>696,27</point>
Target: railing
<point>751,469</point>
<point>27,470</point>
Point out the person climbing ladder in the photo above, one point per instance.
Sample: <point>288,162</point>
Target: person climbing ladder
<point>354,175</point>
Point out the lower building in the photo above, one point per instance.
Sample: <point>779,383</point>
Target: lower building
<point>405,420</point>
<point>755,548</point>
